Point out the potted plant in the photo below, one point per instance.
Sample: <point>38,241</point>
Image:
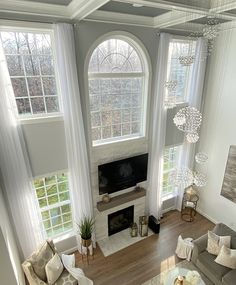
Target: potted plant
<point>86,227</point>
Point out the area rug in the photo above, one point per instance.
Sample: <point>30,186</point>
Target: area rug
<point>119,241</point>
<point>162,278</point>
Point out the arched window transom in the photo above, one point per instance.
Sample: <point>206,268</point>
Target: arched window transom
<point>116,77</point>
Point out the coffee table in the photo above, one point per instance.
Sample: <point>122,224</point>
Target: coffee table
<point>172,274</point>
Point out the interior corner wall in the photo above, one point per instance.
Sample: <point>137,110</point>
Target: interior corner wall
<point>218,129</point>
<point>10,266</point>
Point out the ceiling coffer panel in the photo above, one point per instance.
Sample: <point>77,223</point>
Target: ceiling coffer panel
<point>127,8</point>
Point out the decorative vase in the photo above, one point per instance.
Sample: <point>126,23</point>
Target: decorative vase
<point>106,198</point>
<point>86,242</point>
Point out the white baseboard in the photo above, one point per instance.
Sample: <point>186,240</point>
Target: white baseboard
<point>207,216</point>
<point>71,250</point>
<point>168,209</point>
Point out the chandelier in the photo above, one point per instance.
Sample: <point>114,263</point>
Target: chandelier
<point>186,60</point>
<point>170,98</point>
<point>201,157</point>
<point>211,28</point>
<point>188,120</point>
<point>186,177</point>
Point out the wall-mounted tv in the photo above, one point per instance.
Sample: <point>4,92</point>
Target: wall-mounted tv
<point>122,174</point>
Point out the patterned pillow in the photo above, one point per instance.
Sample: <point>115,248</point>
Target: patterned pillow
<point>215,242</point>
<point>40,258</point>
<point>227,257</point>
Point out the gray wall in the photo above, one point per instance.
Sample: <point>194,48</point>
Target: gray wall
<point>10,265</point>
<point>46,140</point>
<point>46,146</point>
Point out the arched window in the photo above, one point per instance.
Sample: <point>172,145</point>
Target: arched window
<point>117,91</point>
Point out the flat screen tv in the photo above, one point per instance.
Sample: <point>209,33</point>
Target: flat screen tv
<point>122,174</point>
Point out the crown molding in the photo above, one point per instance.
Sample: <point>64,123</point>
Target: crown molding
<point>166,5</point>
<point>79,9</point>
<point>33,8</point>
<point>121,18</point>
<point>174,18</point>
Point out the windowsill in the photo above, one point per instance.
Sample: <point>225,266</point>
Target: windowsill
<point>105,143</point>
<point>64,236</point>
<point>41,119</point>
<point>168,196</point>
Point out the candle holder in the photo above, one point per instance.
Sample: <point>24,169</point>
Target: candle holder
<point>143,226</point>
<point>134,230</point>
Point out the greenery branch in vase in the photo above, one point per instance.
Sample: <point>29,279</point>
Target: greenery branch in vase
<point>86,227</point>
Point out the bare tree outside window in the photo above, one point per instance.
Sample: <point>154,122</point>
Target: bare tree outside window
<point>31,68</point>
<point>116,92</point>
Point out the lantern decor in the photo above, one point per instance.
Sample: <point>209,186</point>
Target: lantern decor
<point>134,230</point>
<point>143,226</point>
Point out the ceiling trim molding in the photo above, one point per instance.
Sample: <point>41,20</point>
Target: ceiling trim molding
<point>79,9</point>
<point>174,18</point>
<point>121,18</point>
<point>166,5</point>
<point>33,8</point>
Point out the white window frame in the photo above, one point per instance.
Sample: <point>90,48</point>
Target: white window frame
<point>187,81</point>
<point>56,205</point>
<point>146,64</point>
<point>165,196</point>
<point>32,27</point>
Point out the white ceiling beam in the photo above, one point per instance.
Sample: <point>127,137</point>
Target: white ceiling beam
<point>222,6</point>
<point>186,27</point>
<point>33,8</point>
<point>79,9</point>
<point>174,18</point>
<point>121,18</point>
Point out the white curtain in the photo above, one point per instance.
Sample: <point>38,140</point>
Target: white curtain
<point>78,166</point>
<point>195,92</point>
<point>158,130</point>
<point>15,170</point>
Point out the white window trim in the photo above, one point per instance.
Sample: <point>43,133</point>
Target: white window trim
<point>184,40</point>
<point>170,195</point>
<point>62,235</point>
<point>146,63</point>
<point>33,27</point>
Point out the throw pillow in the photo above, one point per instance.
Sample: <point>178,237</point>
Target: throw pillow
<point>215,242</point>
<point>227,257</point>
<point>53,269</point>
<point>40,258</point>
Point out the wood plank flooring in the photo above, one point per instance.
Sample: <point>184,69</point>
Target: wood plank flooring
<point>145,259</point>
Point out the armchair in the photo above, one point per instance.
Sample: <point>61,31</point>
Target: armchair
<point>34,267</point>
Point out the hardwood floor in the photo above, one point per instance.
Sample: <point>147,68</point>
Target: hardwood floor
<point>145,259</point>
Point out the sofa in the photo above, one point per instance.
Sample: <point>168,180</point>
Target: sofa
<point>203,260</point>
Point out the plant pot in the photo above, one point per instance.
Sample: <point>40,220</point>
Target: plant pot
<point>86,242</point>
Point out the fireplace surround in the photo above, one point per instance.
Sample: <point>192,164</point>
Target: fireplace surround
<point>120,220</point>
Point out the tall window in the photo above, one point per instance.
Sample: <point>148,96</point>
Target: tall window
<point>178,72</point>
<point>53,197</point>
<point>171,156</point>
<point>31,67</point>
<point>116,91</point>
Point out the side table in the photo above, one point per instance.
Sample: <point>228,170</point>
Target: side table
<point>189,205</point>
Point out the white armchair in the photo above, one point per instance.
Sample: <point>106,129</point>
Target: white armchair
<point>34,268</point>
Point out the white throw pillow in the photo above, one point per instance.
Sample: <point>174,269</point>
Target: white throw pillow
<point>53,269</point>
<point>215,242</point>
<point>227,257</point>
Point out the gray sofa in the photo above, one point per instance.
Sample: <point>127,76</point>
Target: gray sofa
<point>217,273</point>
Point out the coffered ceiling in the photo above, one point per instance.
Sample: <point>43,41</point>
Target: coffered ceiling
<point>163,14</point>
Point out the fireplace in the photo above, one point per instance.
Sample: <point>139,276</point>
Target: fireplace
<point>120,220</point>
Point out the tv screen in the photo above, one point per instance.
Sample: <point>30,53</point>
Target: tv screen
<point>122,174</point>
